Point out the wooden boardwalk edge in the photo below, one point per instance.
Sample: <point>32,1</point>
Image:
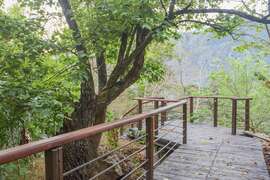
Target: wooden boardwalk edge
<point>214,154</point>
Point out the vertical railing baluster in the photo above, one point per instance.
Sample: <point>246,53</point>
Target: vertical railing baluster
<point>139,112</point>
<point>163,116</point>
<point>185,123</point>
<point>156,117</point>
<point>191,109</point>
<point>247,113</point>
<point>54,164</point>
<point>234,116</point>
<point>215,111</point>
<point>150,123</point>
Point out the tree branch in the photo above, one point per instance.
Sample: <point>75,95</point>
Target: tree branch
<point>171,9</point>
<point>80,47</point>
<point>226,11</point>
<point>163,6</point>
<point>122,79</point>
<point>123,47</point>
<point>130,42</point>
<point>267,30</point>
<point>216,27</point>
<point>268,4</point>
<point>122,67</point>
<point>249,10</point>
<point>143,38</point>
<point>102,70</point>
<point>132,76</point>
<point>121,60</point>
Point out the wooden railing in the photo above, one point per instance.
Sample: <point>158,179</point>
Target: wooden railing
<point>215,99</point>
<point>234,110</point>
<point>54,151</point>
<point>53,146</point>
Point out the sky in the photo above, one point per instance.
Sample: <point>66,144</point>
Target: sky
<point>9,3</point>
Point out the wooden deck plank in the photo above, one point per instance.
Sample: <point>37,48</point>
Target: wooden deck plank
<point>214,154</point>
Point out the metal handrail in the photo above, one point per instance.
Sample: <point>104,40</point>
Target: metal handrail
<point>54,144</point>
<point>234,107</point>
<point>128,157</point>
<point>187,97</point>
<point>102,156</point>
<point>25,150</point>
<point>133,108</point>
<point>162,158</point>
<point>135,169</point>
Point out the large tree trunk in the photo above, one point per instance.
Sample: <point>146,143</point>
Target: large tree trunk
<point>87,112</point>
<point>91,109</point>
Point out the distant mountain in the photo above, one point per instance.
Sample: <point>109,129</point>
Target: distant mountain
<point>199,54</point>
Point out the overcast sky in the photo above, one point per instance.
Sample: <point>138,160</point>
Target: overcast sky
<point>8,3</point>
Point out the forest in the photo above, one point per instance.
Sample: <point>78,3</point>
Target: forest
<point>71,64</point>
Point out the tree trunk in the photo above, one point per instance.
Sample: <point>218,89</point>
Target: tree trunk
<point>87,112</point>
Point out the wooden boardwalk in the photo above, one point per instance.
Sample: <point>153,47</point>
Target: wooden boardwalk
<point>214,154</point>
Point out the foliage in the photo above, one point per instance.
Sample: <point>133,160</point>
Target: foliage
<point>253,39</point>
<point>113,135</point>
<point>35,97</point>
<point>154,68</point>
<point>42,78</point>
<point>29,168</point>
<point>240,79</point>
<point>29,98</point>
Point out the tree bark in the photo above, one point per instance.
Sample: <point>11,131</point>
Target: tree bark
<point>91,108</point>
<point>87,112</point>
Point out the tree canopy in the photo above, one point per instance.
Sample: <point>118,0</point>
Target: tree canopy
<point>62,77</point>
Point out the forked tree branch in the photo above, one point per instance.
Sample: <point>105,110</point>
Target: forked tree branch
<point>121,85</point>
<point>125,79</point>
<point>122,67</point>
<point>129,65</point>
<point>120,60</point>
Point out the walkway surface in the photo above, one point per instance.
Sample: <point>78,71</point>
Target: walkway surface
<point>214,154</point>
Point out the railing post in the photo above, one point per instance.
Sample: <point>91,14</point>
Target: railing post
<point>54,164</point>
<point>215,112</point>
<point>156,117</point>
<point>247,112</point>
<point>163,116</point>
<point>150,123</point>
<point>139,112</point>
<point>191,109</point>
<point>234,116</point>
<point>185,123</point>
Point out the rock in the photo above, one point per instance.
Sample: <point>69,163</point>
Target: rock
<point>133,133</point>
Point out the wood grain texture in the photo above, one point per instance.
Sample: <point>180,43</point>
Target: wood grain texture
<point>214,154</point>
